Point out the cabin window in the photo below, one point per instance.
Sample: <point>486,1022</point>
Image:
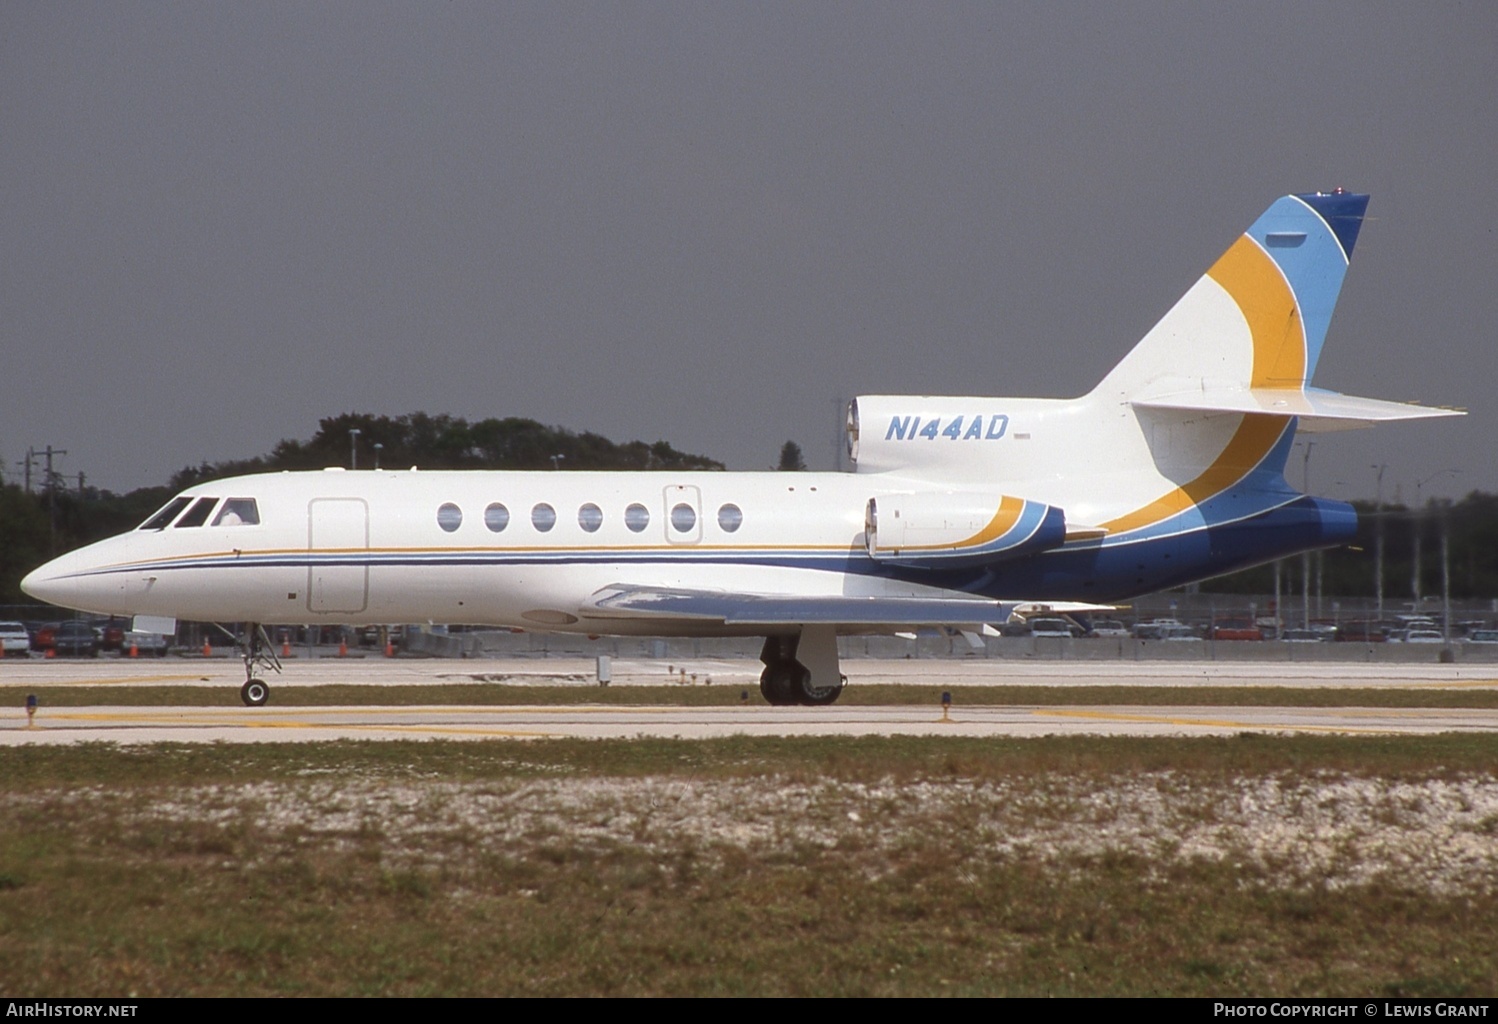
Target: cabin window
<point>730,518</point>
<point>683,518</point>
<point>543,517</point>
<point>198,514</point>
<point>637,517</point>
<point>449,517</point>
<point>590,517</point>
<point>496,517</point>
<point>161,520</point>
<point>238,512</point>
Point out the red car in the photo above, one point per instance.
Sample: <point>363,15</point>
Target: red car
<point>1236,629</point>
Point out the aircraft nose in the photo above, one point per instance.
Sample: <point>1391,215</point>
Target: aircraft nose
<point>44,584</point>
<point>65,582</point>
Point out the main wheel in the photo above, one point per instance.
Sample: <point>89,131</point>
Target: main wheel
<point>819,696</point>
<point>779,683</point>
<point>254,693</point>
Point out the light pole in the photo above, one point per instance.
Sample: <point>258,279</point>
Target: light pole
<point>1305,556</point>
<point>1378,540</point>
<point>353,447</point>
<point>1419,525</point>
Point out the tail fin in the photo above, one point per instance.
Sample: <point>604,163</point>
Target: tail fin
<point>1247,336</point>
<point>1258,317</point>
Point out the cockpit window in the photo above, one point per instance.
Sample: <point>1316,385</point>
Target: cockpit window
<point>238,512</point>
<point>162,519</point>
<point>198,514</point>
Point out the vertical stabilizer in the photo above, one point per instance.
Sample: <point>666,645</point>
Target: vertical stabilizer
<point>1258,318</point>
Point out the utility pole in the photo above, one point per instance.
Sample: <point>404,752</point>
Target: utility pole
<point>353,447</point>
<point>51,484</point>
<point>1415,581</point>
<point>1305,556</point>
<point>1378,540</point>
<point>1445,585</point>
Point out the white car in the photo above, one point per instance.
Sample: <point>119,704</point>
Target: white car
<point>14,639</point>
<point>144,643</point>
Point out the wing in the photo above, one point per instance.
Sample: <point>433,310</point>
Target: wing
<point>623,601</point>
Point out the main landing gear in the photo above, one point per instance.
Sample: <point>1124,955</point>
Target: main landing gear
<point>256,652</point>
<point>812,678</point>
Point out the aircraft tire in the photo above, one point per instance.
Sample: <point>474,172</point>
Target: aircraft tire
<point>818,696</point>
<point>778,683</point>
<point>254,693</point>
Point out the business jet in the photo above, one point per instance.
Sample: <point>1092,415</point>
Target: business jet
<point>1171,470</point>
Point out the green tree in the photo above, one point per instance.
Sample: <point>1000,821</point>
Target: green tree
<point>790,458</point>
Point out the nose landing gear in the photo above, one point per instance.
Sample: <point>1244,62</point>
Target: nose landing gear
<point>256,652</point>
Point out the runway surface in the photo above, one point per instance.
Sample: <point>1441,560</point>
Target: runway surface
<point>261,725</point>
<point>106,722</point>
<point>372,670</point>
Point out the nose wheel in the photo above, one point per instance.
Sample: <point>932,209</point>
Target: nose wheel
<point>256,652</point>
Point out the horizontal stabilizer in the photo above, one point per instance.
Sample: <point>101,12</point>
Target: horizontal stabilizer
<point>738,609</point>
<point>1316,409</point>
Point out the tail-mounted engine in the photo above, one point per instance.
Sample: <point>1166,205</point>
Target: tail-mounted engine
<point>950,528</point>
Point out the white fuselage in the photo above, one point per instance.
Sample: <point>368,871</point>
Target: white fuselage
<point>388,547</point>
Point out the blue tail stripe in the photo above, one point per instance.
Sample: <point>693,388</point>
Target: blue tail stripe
<point>1309,252</point>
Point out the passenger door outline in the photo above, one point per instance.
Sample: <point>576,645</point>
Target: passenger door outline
<point>337,547</point>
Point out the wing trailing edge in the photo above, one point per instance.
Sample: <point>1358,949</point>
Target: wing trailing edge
<point>622,601</point>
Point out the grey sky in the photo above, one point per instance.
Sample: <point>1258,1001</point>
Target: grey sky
<point>706,222</point>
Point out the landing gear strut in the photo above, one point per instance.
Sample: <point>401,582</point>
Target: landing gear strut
<point>813,679</point>
<point>256,652</point>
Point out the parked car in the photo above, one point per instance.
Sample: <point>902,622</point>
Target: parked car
<point>1236,629</point>
<point>14,639</point>
<point>1178,632</point>
<point>76,638</point>
<point>1424,636</point>
<point>1302,636</point>
<point>1362,632</point>
<point>145,643</point>
<point>1050,627</point>
<point>1477,636</point>
<point>42,634</point>
<point>1108,627</point>
<point>111,633</point>
<point>1153,629</point>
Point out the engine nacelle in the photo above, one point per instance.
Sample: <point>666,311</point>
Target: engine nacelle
<point>954,528</point>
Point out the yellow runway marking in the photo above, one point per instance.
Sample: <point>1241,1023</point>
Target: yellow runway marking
<point>508,733</point>
<point>196,677</point>
<point>1212,723</point>
<point>1439,684</point>
<point>286,723</point>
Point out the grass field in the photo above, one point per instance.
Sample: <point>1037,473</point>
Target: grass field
<point>1251,865</point>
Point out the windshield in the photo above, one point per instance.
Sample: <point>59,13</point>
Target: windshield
<point>164,517</point>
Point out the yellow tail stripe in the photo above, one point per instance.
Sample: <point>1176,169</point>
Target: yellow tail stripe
<point>1253,439</point>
